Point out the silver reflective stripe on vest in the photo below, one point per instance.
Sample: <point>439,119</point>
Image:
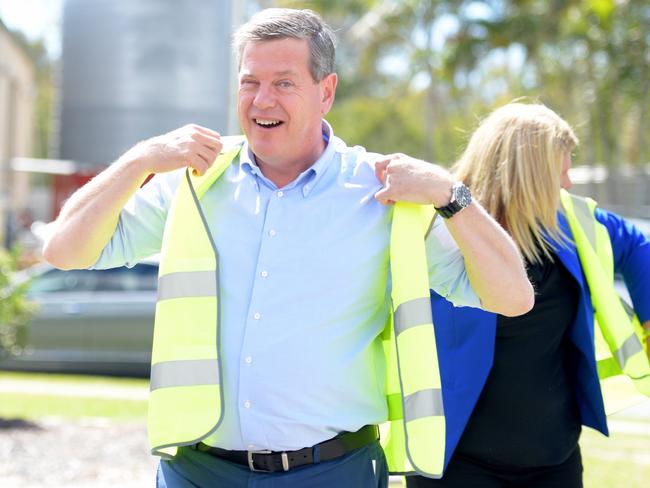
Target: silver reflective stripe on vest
<point>586,219</point>
<point>628,310</point>
<point>192,372</point>
<point>629,348</point>
<point>412,313</point>
<point>423,403</point>
<point>187,284</point>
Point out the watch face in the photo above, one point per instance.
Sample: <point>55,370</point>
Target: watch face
<point>463,196</point>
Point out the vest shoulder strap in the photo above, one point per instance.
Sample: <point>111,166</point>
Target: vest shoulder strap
<point>582,209</point>
<point>588,233</point>
<point>231,147</point>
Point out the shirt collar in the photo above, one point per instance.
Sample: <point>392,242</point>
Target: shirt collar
<point>308,179</point>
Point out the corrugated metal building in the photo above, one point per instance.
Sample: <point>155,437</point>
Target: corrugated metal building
<point>135,69</point>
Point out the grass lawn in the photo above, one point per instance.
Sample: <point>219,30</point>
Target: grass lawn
<point>622,460</point>
<point>20,406</point>
<point>72,396</point>
<point>65,379</point>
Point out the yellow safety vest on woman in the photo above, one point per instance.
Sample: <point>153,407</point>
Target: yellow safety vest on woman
<point>623,366</point>
<point>186,398</point>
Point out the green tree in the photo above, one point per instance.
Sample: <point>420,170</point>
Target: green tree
<point>15,310</point>
<point>588,59</point>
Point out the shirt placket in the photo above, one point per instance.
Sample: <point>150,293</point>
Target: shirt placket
<point>259,320</point>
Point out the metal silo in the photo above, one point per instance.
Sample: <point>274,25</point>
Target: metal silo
<point>135,69</point>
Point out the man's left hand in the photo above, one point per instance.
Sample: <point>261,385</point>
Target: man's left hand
<point>412,180</point>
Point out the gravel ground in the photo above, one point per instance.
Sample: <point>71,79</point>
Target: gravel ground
<point>94,453</point>
<point>99,453</point>
<point>82,453</point>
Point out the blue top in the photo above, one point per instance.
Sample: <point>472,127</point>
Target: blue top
<point>466,336</point>
<point>304,292</point>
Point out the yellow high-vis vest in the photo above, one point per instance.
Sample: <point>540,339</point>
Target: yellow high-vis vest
<point>414,437</point>
<point>623,366</point>
<point>186,398</point>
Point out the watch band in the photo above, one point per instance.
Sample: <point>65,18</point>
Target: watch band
<point>461,197</point>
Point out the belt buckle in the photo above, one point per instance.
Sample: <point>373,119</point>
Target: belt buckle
<point>251,462</point>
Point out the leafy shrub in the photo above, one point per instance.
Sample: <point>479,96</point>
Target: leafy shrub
<point>15,310</point>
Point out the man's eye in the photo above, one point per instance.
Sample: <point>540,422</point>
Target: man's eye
<point>285,84</point>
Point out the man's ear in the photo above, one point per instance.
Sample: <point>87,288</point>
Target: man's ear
<point>328,89</point>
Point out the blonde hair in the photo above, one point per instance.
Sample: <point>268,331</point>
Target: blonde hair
<point>513,164</point>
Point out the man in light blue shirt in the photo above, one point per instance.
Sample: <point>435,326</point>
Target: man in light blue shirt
<point>301,222</point>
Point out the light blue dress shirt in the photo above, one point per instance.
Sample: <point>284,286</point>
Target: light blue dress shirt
<point>305,292</point>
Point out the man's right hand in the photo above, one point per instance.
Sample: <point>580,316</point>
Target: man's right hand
<point>191,145</point>
<point>89,217</point>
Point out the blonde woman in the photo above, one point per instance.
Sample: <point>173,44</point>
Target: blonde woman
<point>528,383</point>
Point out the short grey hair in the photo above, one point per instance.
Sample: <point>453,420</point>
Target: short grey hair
<point>274,24</point>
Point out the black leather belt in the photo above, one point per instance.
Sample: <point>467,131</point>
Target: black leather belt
<point>270,461</point>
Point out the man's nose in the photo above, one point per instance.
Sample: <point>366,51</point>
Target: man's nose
<point>264,98</point>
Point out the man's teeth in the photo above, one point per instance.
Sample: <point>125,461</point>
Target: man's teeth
<point>267,122</point>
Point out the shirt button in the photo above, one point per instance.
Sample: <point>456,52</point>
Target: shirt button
<point>280,194</point>
<point>251,447</point>
<point>257,315</point>
<point>272,232</point>
<point>248,359</point>
<point>264,274</point>
<point>247,404</point>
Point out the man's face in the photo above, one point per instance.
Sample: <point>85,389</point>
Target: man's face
<point>280,106</point>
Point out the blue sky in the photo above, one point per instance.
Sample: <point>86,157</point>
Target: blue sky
<point>36,19</point>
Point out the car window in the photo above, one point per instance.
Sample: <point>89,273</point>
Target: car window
<point>142,277</point>
<point>56,280</point>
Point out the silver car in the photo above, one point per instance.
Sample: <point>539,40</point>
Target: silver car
<point>90,321</point>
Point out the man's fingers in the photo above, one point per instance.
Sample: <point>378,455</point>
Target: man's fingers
<point>207,154</point>
<point>382,196</point>
<point>381,165</point>
<point>198,164</point>
<point>213,142</point>
<point>380,169</point>
<point>204,130</point>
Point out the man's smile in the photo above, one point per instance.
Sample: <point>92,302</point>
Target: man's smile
<point>267,123</point>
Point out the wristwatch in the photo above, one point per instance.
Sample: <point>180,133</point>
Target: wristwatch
<point>460,199</point>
